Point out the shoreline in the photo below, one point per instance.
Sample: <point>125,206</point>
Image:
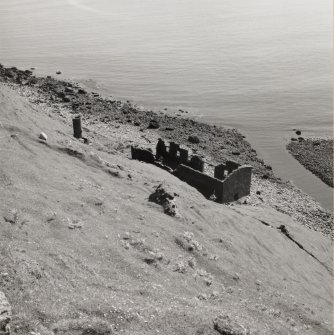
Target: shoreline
<point>220,143</point>
<point>316,155</point>
<point>129,125</point>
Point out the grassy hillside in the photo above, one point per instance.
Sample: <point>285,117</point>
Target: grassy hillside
<point>84,251</point>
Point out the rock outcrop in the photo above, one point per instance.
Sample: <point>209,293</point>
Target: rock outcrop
<point>5,315</point>
<point>165,198</point>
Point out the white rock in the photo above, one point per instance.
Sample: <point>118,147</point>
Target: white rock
<point>43,136</point>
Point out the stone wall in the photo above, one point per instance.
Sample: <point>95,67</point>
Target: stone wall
<point>231,166</point>
<point>175,155</point>
<point>230,182</point>
<point>235,185</point>
<point>143,155</point>
<point>219,172</point>
<point>205,184</point>
<point>223,170</point>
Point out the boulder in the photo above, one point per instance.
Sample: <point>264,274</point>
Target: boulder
<point>32,81</point>
<point>9,74</point>
<point>154,124</point>
<point>164,197</point>
<point>193,139</point>
<point>5,315</point>
<point>225,325</point>
<point>69,90</point>
<point>60,94</point>
<point>75,105</point>
<point>19,80</point>
<point>43,136</point>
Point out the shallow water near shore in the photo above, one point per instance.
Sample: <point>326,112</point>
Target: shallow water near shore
<point>263,67</point>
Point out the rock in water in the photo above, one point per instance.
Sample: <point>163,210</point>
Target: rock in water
<point>43,136</point>
<point>5,315</point>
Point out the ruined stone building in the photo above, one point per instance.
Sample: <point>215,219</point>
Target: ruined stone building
<point>231,181</point>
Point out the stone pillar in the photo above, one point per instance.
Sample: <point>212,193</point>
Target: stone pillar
<point>77,131</point>
<point>220,171</point>
<point>161,149</point>
<point>183,156</point>
<point>173,149</point>
<point>197,163</point>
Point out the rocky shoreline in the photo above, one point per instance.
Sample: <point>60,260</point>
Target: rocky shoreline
<point>316,155</point>
<point>220,143</point>
<point>129,124</point>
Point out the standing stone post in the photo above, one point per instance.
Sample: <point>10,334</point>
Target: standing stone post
<point>77,131</point>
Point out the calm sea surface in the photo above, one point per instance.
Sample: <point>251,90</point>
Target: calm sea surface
<point>263,66</point>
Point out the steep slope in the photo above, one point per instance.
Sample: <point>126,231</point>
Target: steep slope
<point>83,251</point>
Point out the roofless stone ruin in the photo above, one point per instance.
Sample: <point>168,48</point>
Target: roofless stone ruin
<point>231,181</point>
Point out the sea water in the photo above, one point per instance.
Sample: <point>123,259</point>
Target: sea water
<point>263,66</point>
